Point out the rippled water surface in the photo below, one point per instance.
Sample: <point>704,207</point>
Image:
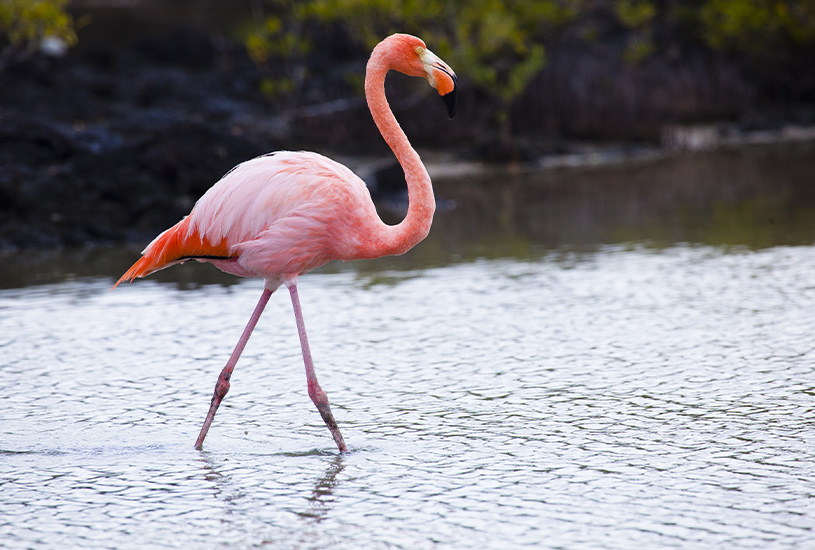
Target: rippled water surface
<point>530,394</point>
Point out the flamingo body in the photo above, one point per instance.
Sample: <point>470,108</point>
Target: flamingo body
<point>275,216</point>
<point>280,215</point>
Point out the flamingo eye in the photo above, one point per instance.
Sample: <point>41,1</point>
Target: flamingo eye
<point>419,50</point>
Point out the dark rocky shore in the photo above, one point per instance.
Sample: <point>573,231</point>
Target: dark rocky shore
<point>108,145</point>
<point>112,144</point>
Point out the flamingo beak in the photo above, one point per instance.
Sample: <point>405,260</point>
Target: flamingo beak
<point>450,100</point>
<point>442,78</point>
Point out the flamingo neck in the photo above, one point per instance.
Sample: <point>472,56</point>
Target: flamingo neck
<point>400,238</point>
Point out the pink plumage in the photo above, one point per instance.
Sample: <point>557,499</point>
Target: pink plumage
<point>280,215</point>
<point>276,217</point>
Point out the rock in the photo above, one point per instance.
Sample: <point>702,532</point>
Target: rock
<point>114,145</point>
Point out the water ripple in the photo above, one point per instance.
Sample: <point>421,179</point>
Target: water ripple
<point>631,397</point>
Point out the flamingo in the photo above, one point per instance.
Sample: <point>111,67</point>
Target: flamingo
<point>283,214</point>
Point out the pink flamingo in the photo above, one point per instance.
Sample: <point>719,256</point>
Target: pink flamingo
<point>283,214</point>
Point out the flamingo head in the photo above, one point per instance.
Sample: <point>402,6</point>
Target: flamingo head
<point>414,59</point>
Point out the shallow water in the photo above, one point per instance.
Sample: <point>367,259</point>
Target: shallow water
<point>505,385</point>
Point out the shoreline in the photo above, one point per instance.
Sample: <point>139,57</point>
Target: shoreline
<point>683,140</point>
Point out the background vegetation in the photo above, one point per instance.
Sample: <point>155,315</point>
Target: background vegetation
<point>24,24</point>
<point>629,60</point>
<point>585,69</point>
<point>160,96</point>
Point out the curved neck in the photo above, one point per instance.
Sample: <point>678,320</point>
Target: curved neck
<point>400,238</point>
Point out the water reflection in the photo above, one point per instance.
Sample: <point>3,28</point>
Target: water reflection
<point>322,497</point>
<point>227,490</point>
<point>754,198</point>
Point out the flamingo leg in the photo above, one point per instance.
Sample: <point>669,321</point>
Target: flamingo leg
<point>222,386</point>
<point>315,392</point>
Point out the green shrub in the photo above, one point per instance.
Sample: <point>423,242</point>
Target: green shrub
<point>25,23</point>
<point>637,16</point>
<point>495,44</point>
<point>498,45</point>
<point>762,29</point>
<point>634,13</point>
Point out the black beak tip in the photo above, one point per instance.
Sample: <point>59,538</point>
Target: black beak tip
<point>450,102</point>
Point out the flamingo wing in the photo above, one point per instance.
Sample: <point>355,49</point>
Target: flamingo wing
<point>279,214</point>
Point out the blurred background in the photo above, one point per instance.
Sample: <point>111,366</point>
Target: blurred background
<point>116,115</point>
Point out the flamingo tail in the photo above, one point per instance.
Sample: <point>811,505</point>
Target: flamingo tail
<point>173,246</point>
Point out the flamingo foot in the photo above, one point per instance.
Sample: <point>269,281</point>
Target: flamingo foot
<point>220,392</point>
<point>320,399</point>
<point>335,430</point>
